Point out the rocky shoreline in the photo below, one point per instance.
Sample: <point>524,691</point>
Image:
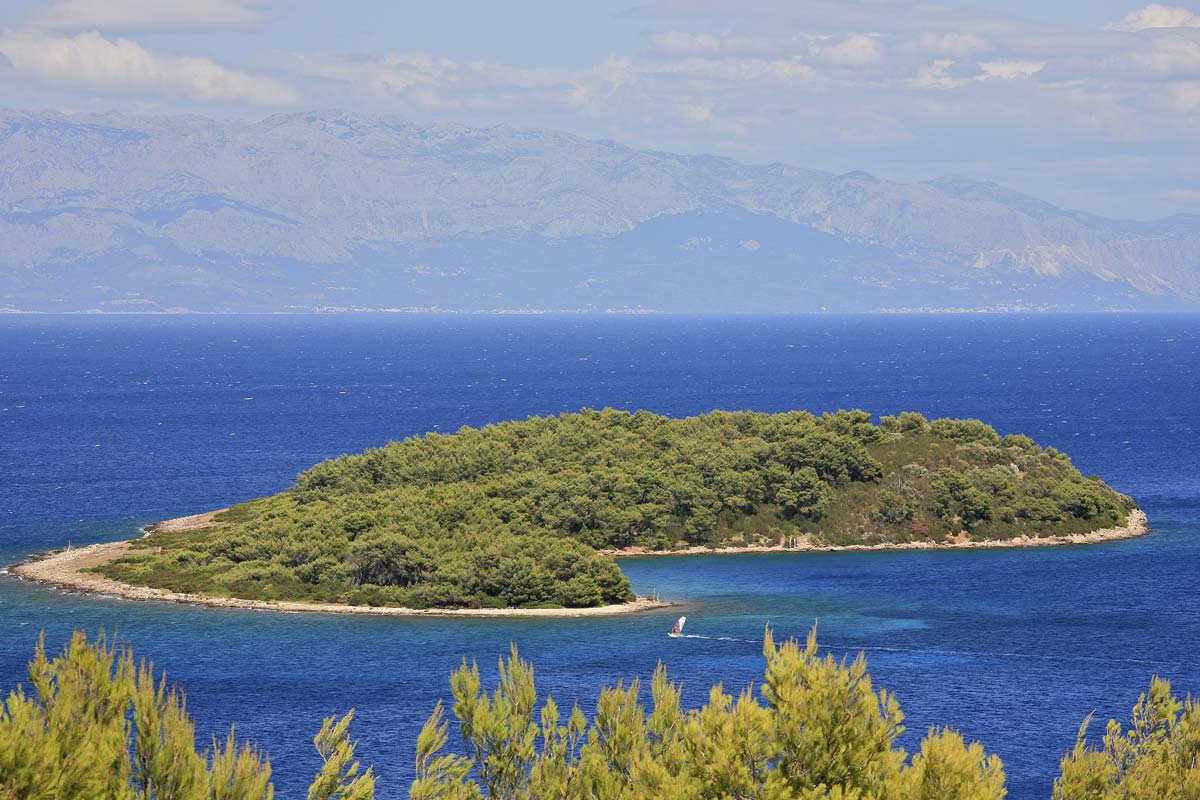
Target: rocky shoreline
<point>65,569</point>
<point>1136,525</point>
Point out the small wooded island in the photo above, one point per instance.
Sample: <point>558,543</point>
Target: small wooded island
<point>514,515</point>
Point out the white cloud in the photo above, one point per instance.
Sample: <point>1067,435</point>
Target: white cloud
<point>389,74</point>
<point>90,61</point>
<point>936,76</point>
<point>957,45</point>
<point>1156,16</point>
<point>800,81</point>
<point>855,51</point>
<point>689,87</point>
<point>697,112</point>
<point>677,44</point>
<point>761,82</point>
<point>759,85</point>
<point>1169,56</point>
<point>1185,98</point>
<point>145,14</point>
<point>416,81</point>
<point>728,73</point>
<point>1010,70</point>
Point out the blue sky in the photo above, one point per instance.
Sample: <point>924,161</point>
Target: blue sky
<point>1092,105</point>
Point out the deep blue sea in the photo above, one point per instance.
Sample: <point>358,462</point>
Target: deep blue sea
<point>107,423</point>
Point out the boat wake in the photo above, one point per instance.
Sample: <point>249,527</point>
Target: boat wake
<point>677,633</point>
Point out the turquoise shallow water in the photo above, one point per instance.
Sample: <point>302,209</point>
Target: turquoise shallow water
<point>109,423</point>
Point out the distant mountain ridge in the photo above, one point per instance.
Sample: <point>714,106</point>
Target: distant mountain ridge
<point>331,209</point>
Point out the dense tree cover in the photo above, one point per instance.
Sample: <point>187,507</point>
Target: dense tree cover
<point>1157,756</point>
<point>512,514</point>
<point>99,727</point>
<point>820,731</point>
<point>96,726</point>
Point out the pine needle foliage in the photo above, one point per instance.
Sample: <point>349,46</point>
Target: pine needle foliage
<point>93,726</point>
<point>97,727</point>
<point>817,729</point>
<point>1157,757</point>
<point>339,778</point>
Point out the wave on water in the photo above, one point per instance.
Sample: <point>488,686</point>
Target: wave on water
<point>988,654</point>
<point>934,651</point>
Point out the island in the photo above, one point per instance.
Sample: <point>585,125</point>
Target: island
<point>532,516</point>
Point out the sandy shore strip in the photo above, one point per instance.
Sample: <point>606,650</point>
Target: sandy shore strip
<point>64,569</point>
<point>183,524</point>
<point>1136,525</point>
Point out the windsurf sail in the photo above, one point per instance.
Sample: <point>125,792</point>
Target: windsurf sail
<point>678,629</point>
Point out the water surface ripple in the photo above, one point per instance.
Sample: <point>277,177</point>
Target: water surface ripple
<point>108,423</point>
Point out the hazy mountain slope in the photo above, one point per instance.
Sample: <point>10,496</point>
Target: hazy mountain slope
<point>329,209</point>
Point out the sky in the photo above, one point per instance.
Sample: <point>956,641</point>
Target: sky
<point>1089,104</point>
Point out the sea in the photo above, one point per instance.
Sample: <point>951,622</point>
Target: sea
<point>111,422</point>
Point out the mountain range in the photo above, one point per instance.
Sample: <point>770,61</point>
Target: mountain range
<point>336,210</point>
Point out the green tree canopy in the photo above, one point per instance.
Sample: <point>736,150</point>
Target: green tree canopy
<point>512,514</point>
